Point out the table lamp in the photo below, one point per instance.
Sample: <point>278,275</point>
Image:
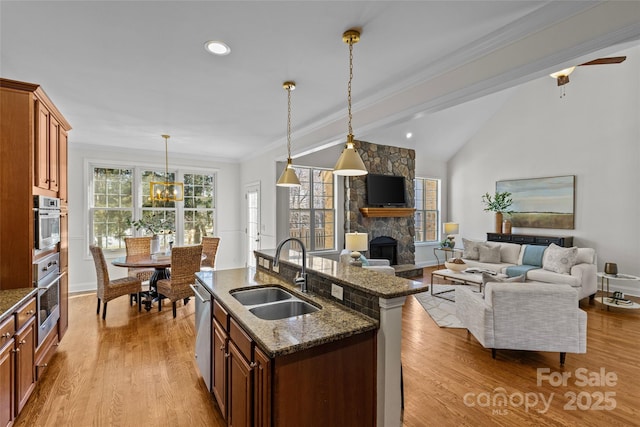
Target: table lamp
<point>450,228</point>
<point>356,242</point>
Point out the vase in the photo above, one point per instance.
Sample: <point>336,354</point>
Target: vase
<point>506,226</point>
<point>155,244</point>
<point>499,222</point>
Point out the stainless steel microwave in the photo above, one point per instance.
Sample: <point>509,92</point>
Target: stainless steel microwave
<point>46,213</point>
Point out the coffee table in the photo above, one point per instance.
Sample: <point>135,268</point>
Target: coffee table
<point>459,278</point>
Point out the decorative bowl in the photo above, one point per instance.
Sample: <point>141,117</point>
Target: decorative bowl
<point>456,265</point>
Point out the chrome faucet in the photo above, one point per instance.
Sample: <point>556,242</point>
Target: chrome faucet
<point>300,279</point>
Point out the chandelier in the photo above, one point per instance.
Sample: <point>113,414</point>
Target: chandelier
<point>167,191</point>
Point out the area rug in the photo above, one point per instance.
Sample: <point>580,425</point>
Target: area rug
<point>442,311</point>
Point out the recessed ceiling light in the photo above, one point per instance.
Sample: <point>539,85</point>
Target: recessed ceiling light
<point>217,47</point>
<point>409,135</point>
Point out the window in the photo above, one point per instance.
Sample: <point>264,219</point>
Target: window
<point>312,209</point>
<point>427,215</point>
<point>120,195</point>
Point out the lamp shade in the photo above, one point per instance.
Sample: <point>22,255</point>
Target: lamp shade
<point>356,241</point>
<point>288,177</point>
<point>349,163</point>
<point>450,228</point>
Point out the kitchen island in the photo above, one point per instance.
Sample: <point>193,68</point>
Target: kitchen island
<point>312,369</point>
<point>366,310</point>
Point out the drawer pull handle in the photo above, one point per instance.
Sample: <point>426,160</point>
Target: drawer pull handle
<point>23,342</point>
<point>222,347</point>
<point>6,335</point>
<point>17,350</point>
<point>44,365</point>
<point>30,312</point>
<point>226,355</point>
<point>253,365</point>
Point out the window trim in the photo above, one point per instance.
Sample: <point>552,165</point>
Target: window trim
<point>178,169</point>
<point>312,209</point>
<point>438,211</point>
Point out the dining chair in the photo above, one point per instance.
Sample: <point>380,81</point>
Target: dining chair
<point>185,263</point>
<point>139,246</point>
<point>209,248</point>
<point>111,289</point>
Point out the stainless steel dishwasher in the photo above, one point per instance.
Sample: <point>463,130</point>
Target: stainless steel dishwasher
<point>203,332</point>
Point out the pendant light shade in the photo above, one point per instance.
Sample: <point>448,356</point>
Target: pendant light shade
<point>349,163</point>
<point>167,191</point>
<point>288,177</point>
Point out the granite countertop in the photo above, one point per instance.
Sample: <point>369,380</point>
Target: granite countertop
<point>279,337</point>
<point>12,299</point>
<point>371,282</point>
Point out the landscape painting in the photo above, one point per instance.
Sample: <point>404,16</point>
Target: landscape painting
<point>541,202</point>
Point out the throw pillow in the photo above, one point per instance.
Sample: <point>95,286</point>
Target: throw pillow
<point>471,249</point>
<point>490,254</point>
<point>559,260</point>
<point>364,261</point>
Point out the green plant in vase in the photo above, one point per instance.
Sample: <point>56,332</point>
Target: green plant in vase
<point>154,225</point>
<point>498,203</point>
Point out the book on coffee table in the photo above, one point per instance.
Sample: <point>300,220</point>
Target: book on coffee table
<point>477,270</point>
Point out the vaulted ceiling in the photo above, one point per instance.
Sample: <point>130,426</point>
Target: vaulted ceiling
<point>123,73</point>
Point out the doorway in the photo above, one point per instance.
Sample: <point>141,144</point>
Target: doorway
<point>252,229</point>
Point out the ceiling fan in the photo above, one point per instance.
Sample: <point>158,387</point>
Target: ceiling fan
<point>562,76</point>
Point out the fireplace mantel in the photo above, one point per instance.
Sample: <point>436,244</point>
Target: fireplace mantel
<point>387,212</point>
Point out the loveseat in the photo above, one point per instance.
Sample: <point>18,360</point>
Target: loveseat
<point>575,267</point>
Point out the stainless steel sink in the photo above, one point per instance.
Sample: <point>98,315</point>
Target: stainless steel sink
<point>282,310</point>
<point>261,295</point>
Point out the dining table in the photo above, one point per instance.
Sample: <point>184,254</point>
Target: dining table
<point>160,264</point>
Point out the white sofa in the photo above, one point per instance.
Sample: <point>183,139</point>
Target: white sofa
<point>524,316</point>
<point>582,275</point>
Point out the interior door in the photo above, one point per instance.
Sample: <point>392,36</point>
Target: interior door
<point>252,229</point>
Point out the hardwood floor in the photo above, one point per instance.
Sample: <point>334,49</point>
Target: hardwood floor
<point>137,368</point>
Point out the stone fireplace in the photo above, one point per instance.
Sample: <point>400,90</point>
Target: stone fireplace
<point>384,247</point>
<point>386,160</point>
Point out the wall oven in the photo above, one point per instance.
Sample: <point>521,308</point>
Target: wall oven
<point>46,213</point>
<point>47,276</point>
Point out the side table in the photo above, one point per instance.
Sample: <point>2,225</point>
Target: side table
<point>446,252</point>
<point>611,302</point>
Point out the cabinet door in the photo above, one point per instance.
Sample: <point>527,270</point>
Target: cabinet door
<point>219,371</point>
<point>63,189</point>
<point>54,134</point>
<point>25,363</point>
<point>41,160</point>
<point>261,389</point>
<point>7,387</point>
<point>240,400</point>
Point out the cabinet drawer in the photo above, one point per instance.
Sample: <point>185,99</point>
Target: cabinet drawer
<point>7,329</point>
<point>221,315</point>
<point>523,239</point>
<point>25,313</point>
<point>241,339</point>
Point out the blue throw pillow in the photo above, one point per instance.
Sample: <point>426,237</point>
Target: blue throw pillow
<point>363,260</point>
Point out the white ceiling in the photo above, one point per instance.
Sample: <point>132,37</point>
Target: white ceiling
<point>123,73</point>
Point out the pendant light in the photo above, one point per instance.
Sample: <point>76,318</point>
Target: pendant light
<point>167,191</point>
<point>288,177</point>
<point>350,163</point>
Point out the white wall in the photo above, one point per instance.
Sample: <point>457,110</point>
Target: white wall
<point>228,224</point>
<point>592,133</point>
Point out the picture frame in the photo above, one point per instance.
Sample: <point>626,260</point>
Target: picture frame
<point>547,202</point>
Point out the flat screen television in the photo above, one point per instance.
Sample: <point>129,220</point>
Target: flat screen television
<point>385,190</point>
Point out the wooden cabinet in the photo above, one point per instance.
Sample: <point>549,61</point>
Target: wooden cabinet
<point>240,392</point>
<point>33,153</point>
<point>17,361</point>
<point>46,166</point>
<point>25,343</point>
<point>7,371</point>
<point>63,322</point>
<point>219,366</point>
<point>261,389</point>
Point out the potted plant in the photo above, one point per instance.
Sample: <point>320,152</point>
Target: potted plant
<point>498,203</point>
<point>155,226</point>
